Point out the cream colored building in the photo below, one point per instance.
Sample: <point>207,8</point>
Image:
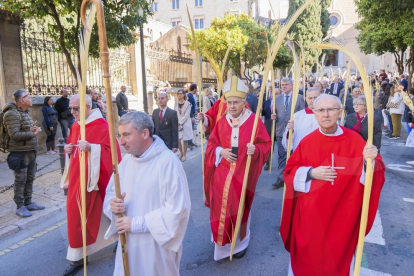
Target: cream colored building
<point>203,11</point>
<point>343,19</point>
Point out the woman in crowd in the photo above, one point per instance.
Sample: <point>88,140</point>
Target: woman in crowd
<point>406,118</point>
<point>358,122</point>
<point>50,122</point>
<point>396,109</point>
<point>209,100</point>
<point>102,104</point>
<point>185,128</point>
<point>384,102</point>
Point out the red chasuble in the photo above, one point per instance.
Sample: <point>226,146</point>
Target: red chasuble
<point>216,112</point>
<point>97,132</point>
<point>223,184</point>
<point>320,228</point>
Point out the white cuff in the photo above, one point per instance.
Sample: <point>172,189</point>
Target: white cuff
<point>112,228</point>
<point>218,156</point>
<point>362,179</point>
<point>138,225</point>
<point>94,167</point>
<point>299,182</point>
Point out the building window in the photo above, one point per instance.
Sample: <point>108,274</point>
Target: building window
<point>175,22</point>
<point>198,3</point>
<point>154,7</point>
<point>176,4</point>
<point>335,19</point>
<point>199,23</point>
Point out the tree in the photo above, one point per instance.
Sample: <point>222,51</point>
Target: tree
<point>247,37</point>
<point>62,20</point>
<point>385,29</point>
<point>310,27</point>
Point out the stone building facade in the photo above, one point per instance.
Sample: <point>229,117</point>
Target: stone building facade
<point>174,12</point>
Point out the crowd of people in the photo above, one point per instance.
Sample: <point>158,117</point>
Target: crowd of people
<point>323,178</point>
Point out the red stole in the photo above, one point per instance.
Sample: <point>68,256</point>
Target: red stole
<point>320,228</point>
<point>97,132</point>
<point>223,184</point>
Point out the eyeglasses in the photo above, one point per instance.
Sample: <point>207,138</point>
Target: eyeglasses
<point>75,109</point>
<point>356,104</point>
<point>27,95</point>
<point>323,110</point>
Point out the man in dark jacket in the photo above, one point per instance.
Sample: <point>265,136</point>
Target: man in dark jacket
<point>65,118</point>
<point>166,122</point>
<point>122,102</point>
<point>23,148</point>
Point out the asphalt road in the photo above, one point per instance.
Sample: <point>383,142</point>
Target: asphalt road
<point>388,250</point>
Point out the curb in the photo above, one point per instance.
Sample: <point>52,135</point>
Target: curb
<point>30,221</point>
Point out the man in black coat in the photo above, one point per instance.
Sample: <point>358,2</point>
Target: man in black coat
<point>166,122</point>
<point>269,118</point>
<point>65,117</point>
<point>122,101</point>
<point>336,87</point>
<point>349,104</point>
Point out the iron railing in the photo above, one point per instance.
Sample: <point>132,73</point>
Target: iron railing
<point>46,70</point>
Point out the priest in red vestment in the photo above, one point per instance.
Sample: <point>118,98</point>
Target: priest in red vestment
<point>98,172</point>
<point>225,163</point>
<point>324,192</point>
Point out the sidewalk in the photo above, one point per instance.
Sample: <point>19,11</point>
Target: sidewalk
<point>46,191</point>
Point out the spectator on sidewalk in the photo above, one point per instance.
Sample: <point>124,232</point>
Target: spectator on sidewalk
<point>65,118</point>
<point>23,149</point>
<point>396,108</point>
<point>95,99</point>
<point>122,102</point>
<point>50,122</point>
<point>407,112</point>
<point>89,93</point>
<point>191,97</point>
<point>166,122</point>
<point>358,122</point>
<point>185,129</point>
<point>101,104</point>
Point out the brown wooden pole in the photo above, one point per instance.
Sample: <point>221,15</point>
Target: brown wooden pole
<point>104,54</point>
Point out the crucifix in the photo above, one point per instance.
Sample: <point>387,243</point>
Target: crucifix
<point>333,166</point>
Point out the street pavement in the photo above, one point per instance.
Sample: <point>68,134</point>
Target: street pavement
<point>41,248</point>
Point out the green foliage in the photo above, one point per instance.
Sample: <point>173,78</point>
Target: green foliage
<point>62,21</point>
<point>385,28</point>
<point>309,28</point>
<point>247,37</point>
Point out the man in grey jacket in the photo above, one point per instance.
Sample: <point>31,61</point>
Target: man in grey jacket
<point>283,107</point>
<point>122,102</point>
<point>23,148</point>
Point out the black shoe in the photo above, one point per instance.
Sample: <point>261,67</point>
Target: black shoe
<point>240,254</point>
<point>74,268</point>
<point>278,185</point>
<point>266,167</point>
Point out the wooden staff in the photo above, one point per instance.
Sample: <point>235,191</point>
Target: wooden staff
<point>369,169</point>
<point>295,93</point>
<point>273,122</point>
<point>272,52</point>
<point>84,40</point>
<point>348,71</point>
<point>200,99</point>
<point>104,54</point>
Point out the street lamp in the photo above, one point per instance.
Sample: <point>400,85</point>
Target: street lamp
<point>144,79</point>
